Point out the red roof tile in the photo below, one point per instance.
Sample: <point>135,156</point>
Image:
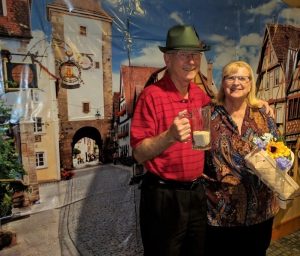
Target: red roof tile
<point>16,24</point>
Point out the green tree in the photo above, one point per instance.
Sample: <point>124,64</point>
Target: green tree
<point>10,167</point>
<point>76,151</point>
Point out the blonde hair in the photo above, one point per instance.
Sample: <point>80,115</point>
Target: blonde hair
<point>231,68</point>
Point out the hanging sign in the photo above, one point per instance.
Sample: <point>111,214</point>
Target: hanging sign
<point>70,73</point>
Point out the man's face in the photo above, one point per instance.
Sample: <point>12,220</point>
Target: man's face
<point>183,65</point>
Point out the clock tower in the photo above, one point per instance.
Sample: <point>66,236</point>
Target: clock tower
<point>81,40</point>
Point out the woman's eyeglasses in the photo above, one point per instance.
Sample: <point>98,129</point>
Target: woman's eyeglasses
<point>241,79</point>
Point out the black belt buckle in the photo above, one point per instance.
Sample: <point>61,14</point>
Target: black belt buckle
<point>191,185</point>
<point>172,184</point>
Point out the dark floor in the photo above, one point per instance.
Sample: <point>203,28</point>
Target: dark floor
<point>286,246</point>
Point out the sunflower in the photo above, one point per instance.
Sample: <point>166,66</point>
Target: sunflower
<point>277,149</point>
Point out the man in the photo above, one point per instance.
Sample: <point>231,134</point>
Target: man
<point>173,202</point>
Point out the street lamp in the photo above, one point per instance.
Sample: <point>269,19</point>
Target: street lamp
<point>97,115</point>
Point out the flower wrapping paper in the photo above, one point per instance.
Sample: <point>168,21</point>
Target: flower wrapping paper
<point>265,167</point>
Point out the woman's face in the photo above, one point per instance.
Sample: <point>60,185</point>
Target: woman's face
<point>237,85</point>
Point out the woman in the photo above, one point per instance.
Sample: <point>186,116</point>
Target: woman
<point>240,207</point>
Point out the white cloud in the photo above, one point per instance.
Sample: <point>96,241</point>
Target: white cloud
<point>251,39</point>
<point>177,17</point>
<point>291,15</point>
<point>265,9</point>
<point>150,56</point>
<point>216,38</point>
<point>269,10</point>
<point>227,50</point>
<point>221,40</point>
<point>224,55</point>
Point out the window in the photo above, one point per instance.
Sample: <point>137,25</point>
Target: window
<point>276,77</point>
<point>37,138</point>
<point>40,159</point>
<point>267,81</point>
<point>3,10</point>
<point>270,56</point>
<point>290,110</point>
<point>86,107</point>
<point>294,109</point>
<point>279,115</point>
<point>82,30</point>
<point>38,125</point>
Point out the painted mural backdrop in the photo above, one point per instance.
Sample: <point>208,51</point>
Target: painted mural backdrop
<point>71,69</point>
<point>232,29</point>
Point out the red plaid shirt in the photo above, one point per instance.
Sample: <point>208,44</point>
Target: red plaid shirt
<point>156,109</point>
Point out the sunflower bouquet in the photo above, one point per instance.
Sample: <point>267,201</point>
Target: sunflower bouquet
<point>276,149</point>
<point>271,160</point>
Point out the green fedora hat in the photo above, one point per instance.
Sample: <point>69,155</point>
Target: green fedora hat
<point>183,37</point>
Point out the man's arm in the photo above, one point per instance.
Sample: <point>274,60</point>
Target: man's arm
<point>152,147</point>
<point>149,148</point>
<point>269,110</point>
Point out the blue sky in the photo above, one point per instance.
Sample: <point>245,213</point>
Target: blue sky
<point>233,28</point>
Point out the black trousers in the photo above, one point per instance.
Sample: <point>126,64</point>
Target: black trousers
<point>172,221</point>
<point>254,240</point>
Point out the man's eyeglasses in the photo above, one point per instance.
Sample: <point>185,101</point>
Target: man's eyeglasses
<point>187,55</point>
<point>241,79</point>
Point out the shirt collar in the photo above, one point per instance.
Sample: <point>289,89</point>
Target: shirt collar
<point>172,90</point>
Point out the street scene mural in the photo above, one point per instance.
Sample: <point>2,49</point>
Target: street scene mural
<point>71,72</point>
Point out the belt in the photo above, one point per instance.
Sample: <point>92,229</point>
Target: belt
<point>153,179</point>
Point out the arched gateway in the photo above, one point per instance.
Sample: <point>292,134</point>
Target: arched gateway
<point>72,132</point>
<point>92,133</point>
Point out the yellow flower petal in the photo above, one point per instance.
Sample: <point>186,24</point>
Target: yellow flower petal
<point>277,149</point>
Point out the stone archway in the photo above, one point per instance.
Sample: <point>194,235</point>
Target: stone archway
<point>89,132</point>
<point>72,132</point>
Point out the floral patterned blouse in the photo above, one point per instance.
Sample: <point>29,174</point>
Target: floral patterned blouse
<point>235,196</point>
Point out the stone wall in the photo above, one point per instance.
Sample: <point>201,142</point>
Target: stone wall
<point>28,159</point>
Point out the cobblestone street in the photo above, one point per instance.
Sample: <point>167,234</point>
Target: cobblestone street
<point>93,214</point>
<point>101,220</point>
